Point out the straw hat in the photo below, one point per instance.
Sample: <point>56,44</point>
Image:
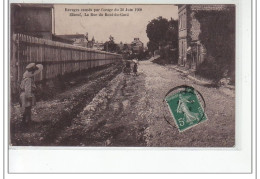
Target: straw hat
<point>32,69</point>
<point>135,61</point>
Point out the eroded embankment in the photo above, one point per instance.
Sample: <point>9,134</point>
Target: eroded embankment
<point>112,118</point>
<point>52,115</point>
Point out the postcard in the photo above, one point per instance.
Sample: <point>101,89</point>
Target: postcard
<point>125,77</point>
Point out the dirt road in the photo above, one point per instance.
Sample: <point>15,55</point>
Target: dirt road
<point>218,131</point>
<point>128,111</point>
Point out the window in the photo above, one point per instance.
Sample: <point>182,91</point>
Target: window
<point>184,21</point>
<point>180,21</point>
<point>182,53</point>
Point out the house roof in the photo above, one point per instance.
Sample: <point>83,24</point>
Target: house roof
<point>205,7</point>
<point>72,36</point>
<point>61,39</point>
<point>136,41</point>
<point>33,5</point>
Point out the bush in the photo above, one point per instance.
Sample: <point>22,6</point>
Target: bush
<point>143,55</point>
<point>218,37</point>
<point>160,61</point>
<point>210,69</point>
<point>169,55</point>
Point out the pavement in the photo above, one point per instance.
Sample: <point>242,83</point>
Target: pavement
<point>190,74</point>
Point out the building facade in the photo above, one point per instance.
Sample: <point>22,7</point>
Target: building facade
<point>182,12</point>
<point>77,39</point>
<point>191,51</point>
<point>98,45</point>
<point>137,46</point>
<point>32,19</point>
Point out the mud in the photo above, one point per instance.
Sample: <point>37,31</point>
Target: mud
<point>53,115</point>
<point>110,108</point>
<point>111,119</point>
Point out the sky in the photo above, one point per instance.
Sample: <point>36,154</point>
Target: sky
<point>122,28</point>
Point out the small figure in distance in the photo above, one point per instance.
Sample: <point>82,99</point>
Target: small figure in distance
<point>127,67</point>
<point>135,67</point>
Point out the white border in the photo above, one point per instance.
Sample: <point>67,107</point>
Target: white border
<point>152,160</point>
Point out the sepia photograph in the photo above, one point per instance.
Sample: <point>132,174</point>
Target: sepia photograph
<point>122,75</point>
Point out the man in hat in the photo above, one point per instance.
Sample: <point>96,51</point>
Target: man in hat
<point>27,98</point>
<point>135,68</point>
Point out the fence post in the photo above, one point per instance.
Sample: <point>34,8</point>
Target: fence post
<point>18,58</point>
<point>44,73</point>
<point>60,59</point>
<point>14,63</point>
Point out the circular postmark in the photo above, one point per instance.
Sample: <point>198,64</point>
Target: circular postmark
<point>186,105</point>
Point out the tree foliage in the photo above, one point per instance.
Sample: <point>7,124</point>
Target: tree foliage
<point>218,37</point>
<point>111,46</point>
<point>172,33</point>
<point>152,46</point>
<point>163,33</point>
<point>156,29</point>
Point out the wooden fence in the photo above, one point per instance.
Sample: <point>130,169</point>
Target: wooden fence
<point>57,58</point>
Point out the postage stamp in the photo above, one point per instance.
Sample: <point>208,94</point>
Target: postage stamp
<point>186,109</point>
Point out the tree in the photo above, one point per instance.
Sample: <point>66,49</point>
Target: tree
<point>152,46</point>
<point>111,46</point>
<point>172,34</point>
<point>163,33</point>
<point>156,29</point>
<point>111,38</point>
<point>218,37</point>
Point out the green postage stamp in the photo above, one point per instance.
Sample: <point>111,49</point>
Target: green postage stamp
<point>186,109</point>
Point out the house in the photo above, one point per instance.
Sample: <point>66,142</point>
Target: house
<point>120,46</point>
<point>91,43</point>
<point>32,19</point>
<point>36,20</point>
<point>61,39</point>
<point>98,45</point>
<point>137,46</point>
<point>77,39</point>
<point>126,49</point>
<point>190,29</point>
